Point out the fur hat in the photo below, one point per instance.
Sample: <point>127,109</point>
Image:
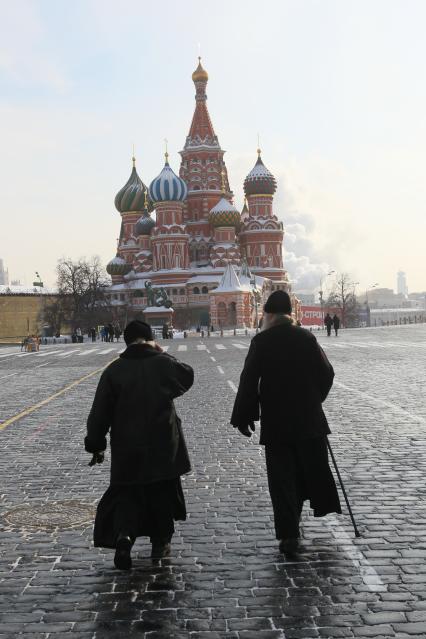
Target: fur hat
<point>137,329</point>
<point>278,302</point>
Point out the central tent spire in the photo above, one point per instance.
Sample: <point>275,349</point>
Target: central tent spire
<point>201,130</point>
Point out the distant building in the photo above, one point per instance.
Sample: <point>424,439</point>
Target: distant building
<point>308,299</point>
<point>401,284</point>
<point>4,274</point>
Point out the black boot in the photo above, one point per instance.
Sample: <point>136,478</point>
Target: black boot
<point>160,548</point>
<point>289,546</point>
<point>122,558</point>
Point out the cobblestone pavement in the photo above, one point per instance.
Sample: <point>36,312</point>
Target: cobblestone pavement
<point>225,578</point>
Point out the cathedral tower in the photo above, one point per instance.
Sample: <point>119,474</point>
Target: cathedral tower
<point>201,167</point>
<point>261,234</point>
<point>169,239</point>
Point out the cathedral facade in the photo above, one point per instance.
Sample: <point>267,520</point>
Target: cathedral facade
<point>216,263</point>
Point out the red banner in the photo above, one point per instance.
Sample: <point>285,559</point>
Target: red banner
<point>312,316</point>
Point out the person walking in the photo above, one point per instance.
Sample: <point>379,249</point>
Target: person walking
<point>93,334</point>
<point>134,403</point>
<point>336,323</point>
<point>328,321</point>
<point>287,376</point>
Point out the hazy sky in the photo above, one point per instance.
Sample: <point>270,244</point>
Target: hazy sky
<point>335,88</point>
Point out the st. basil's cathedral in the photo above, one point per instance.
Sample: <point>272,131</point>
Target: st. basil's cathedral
<point>216,264</point>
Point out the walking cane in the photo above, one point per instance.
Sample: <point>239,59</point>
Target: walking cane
<point>357,533</point>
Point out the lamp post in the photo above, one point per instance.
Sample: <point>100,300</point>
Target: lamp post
<point>367,307</point>
<point>321,292</point>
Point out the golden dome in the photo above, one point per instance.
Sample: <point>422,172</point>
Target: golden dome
<point>200,74</point>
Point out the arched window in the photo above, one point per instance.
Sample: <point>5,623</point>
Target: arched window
<point>204,290</point>
<point>174,291</point>
<point>196,290</point>
<point>181,291</point>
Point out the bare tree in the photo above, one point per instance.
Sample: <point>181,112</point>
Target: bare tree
<point>343,297</point>
<point>81,300</point>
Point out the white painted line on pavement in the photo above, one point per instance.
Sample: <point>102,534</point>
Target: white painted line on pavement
<point>68,353</point>
<point>93,350</point>
<point>10,375</point>
<point>10,355</point>
<point>232,385</point>
<point>220,347</point>
<point>182,347</point>
<point>165,348</point>
<point>201,347</point>
<point>208,350</point>
<point>212,358</point>
<point>220,369</point>
<point>41,365</point>
<point>394,407</point>
<point>368,574</point>
<point>108,350</point>
<point>240,346</point>
<point>44,354</point>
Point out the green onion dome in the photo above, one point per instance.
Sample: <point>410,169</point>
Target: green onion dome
<point>118,266</point>
<point>133,195</point>
<point>224,214</point>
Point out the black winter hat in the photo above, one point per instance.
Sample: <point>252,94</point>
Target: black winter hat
<point>137,329</point>
<point>278,302</point>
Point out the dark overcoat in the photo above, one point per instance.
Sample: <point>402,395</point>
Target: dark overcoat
<point>134,403</point>
<point>285,379</point>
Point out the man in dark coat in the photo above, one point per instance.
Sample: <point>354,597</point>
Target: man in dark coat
<point>336,323</point>
<point>134,403</point>
<point>288,376</point>
<point>328,321</point>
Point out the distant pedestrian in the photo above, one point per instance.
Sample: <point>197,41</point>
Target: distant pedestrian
<point>336,323</point>
<point>165,331</point>
<point>93,334</point>
<point>287,376</point>
<point>328,321</point>
<point>103,334</point>
<point>117,333</point>
<point>110,329</point>
<point>134,403</point>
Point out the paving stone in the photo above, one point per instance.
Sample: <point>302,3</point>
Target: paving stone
<point>225,578</point>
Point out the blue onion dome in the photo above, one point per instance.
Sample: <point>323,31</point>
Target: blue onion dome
<point>168,187</point>
<point>260,180</point>
<point>224,214</point>
<point>144,225</point>
<point>132,197</point>
<point>118,266</point>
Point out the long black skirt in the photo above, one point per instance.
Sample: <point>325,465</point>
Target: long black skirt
<point>298,472</point>
<point>139,510</point>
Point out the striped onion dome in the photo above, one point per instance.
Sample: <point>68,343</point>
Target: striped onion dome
<point>224,214</point>
<point>118,266</point>
<point>132,196</point>
<point>168,187</point>
<point>260,180</point>
<point>144,225</point>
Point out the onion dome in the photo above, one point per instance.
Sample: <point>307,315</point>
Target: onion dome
<point>260,180</point>
<point>200,74</point>
<point>224,214</point>
<point>144,225</point>
<point>118,266</point>
<point>168,187</point>
<point>132,196</point>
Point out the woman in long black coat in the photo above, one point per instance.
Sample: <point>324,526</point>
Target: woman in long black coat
<point>134,403</point>
<point>285,379</point>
